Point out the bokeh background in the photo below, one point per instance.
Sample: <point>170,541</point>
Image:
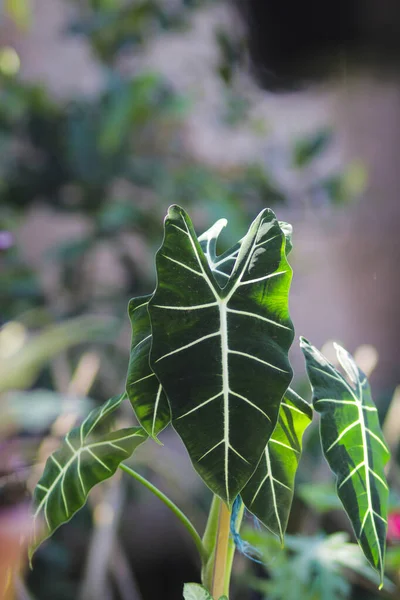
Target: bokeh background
<point>110,111</point>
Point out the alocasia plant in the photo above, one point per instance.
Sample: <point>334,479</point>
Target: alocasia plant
<point>209,356</point>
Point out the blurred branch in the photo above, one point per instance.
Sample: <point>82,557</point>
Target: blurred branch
<point>122,574</point>
<point>106,515</point>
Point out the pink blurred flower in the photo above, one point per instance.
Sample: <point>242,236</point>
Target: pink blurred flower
<point>393,533</point>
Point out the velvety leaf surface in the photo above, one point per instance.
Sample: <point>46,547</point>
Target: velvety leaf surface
<point>269,492</point>
<point>353,445</point>
<point>221,353</point>
<point>89,454</point>
<point>143,388</point>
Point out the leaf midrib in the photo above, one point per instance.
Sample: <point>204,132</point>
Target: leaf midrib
<point>222,303</point>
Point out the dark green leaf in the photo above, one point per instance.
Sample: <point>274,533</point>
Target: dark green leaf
<point>269,493</point>
<point>143,388</point>
<point>89,454</point>
<point>221,353</point>
<point>353,446</point>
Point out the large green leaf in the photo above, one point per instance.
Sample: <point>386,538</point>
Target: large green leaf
<point>89,454</point>
<point>269,493</point>
<point>353,446</point>
<point>221,353</point>
<point>143,388</point>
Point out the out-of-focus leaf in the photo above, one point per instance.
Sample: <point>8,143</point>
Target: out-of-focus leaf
<point>307,149</point>
<point>18,369</point>
<point>70,251</point>
<point>133,103</point>
<point>20,12</point>
<point>310,568</point>
<point>117,216</point>
<point>320,496</point>
<point>36,410</point>
<point>195,591</point>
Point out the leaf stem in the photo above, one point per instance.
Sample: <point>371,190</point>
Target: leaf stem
<point>209,542</point>
<point>177,512</point>
<point>231,551</point>
<point>220,580</point>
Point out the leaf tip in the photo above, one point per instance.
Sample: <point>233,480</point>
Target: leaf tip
<point>174,211</point>
<point>157,440</point>
<point>304,343</point>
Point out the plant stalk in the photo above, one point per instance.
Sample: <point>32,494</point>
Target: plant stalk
<point>231,552</point>
<point>221,578</point>
<point>177,512</point>
<point>209,541</point>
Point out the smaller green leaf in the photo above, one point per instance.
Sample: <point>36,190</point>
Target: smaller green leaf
<point>143,388</point>
<point>269,493</point>
<point>89,454</point>
<point>195,591</point>
<point>353,446</point>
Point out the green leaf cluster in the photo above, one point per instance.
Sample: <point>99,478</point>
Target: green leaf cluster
<point>209,355</point>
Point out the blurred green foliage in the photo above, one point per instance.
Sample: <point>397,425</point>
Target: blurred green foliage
<point>311,567</point>
<point>119,157</point>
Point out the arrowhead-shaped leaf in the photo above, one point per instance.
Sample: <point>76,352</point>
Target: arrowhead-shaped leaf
<point>221,353</point>
<point>89,454</point>
<point>353,445</point>
<point>269,493</point>
<point>143,388</point>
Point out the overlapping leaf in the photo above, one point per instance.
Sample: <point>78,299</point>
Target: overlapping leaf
<point>269,492</point>
<point>143,388</point>
<point>220,353</point>
<point>89,454</point>
<point>353,446</point>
